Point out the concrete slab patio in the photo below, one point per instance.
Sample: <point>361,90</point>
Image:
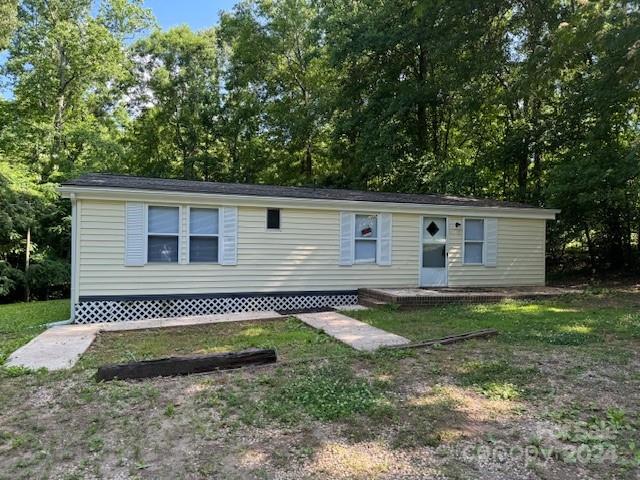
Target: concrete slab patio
<point>59,348</point>
<point>354,333</point>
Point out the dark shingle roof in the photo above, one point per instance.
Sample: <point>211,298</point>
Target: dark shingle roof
<point>143,183</point>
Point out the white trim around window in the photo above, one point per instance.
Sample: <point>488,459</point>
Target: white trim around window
<point>362,239</point>
<point>474,241</point>
<point>200,235</point>
<point>148,233</point>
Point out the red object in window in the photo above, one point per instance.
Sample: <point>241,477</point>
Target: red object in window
<point>366,231</point>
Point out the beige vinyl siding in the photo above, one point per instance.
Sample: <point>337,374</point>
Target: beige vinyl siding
<point>520,260</point>
<point>302,255</point>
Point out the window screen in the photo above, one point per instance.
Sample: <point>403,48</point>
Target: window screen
<point>365,238</point>
<point>163,226</point>
<point>473,241</point>
<point>203,235</point>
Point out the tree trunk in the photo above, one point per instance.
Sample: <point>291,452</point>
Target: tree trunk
<point>308,161</point>
<point>61,106</point>
<point>537,174</point>
<point>421,108</point>
<point>27,292</point>
<point>590,249</point>
<point>523,172</point>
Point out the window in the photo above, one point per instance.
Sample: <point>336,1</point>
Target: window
<point>163,229</point>
<point>203,235</point>
<point>366,236</point>
<point>473,241</point>
<point>273,219</point>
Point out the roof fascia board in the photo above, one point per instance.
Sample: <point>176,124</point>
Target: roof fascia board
<point>105,193</point>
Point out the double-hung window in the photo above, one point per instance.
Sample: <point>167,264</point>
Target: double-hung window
<point>473,241</point>
<point>366,238</point>
<point>163,232</point>
<point>203,235</point>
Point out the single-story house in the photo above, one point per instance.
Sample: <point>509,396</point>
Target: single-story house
<point>148,247</point>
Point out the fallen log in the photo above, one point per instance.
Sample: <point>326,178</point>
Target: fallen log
<point>487,332</point>
<point>186,365</point>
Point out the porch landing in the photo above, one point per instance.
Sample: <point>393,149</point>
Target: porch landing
<point>423,297</point>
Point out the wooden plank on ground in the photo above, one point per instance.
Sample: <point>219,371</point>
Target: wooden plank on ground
<point>485,333</point>
<point>186,365</point>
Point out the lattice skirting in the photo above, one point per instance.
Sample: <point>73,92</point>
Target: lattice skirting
<point>125,310</point>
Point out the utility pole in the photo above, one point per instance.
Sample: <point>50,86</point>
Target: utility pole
<point>26,266</point>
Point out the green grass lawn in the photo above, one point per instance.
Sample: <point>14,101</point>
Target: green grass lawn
<point>293,341</point>
<point>572,320</point>
<point>562,375</point>
<point>20,322</point>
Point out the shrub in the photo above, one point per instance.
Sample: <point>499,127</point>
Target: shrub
<point>11,280</point>
<point>49,275</point>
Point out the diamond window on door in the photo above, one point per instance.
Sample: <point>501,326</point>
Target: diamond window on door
<point>433,229</point>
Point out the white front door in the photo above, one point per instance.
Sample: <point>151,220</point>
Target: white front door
<point>433,272</point>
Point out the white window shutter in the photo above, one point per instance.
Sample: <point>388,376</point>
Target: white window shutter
<point>183,236</point>
<point>347,227</point>
<point>491,242</point>
<point>385,229</point>
<point>135,248</point>
<point>229,236</point>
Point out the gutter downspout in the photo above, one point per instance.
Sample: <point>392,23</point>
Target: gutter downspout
<point>74,254</point>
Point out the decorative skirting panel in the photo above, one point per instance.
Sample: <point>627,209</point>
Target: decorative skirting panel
<point>95,311</point>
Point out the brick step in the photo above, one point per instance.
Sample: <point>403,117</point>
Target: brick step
<point>371,301</point>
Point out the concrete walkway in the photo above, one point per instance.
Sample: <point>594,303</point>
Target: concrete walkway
<point>354,333</point>
<point>60,347</point>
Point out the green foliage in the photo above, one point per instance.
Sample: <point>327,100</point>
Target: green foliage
<point>324,393</point>
<point>48,274</point>
<point>176,88</point>
<point>528,101</point>
<point>11,279</point>
<point>500,391</point>
<point>497,380</point>
<point>14,372</point>
<point>170,410</point>
<point>8,21</point>
<point>279,86</point>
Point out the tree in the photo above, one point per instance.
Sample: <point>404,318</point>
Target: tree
<point>278,63</point>
<point>65,64</point>
<point>177,98</point>
<point>530,100</point>
<point>595,177</point>
<point>8,21</point>
<point>408,71</point>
